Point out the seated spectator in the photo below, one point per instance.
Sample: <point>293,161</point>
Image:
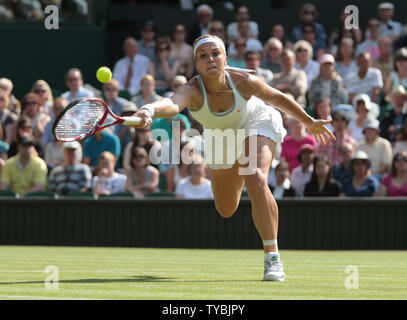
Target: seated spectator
<point>237,60</point>
<point>272,54</point>
<point>177,171</point>
<point>177,82</point>
<point>13,104</point>
<point>74,82</point>
<point>7,118</point>
<point>304,53</point>
<point>328,84</point>
<point>46,99</point>
<point>132,68</point>
<point>27,9</point>
<point>23,129</point>
<point>393,121</point>
<point>107,181</point>
<point>309,16</point>
<point>283,186</point>
<point>294,141</point>
<point>111,92</point>
<point>142,138</point>
<point>370,44</point>
<point>217,28</point>
<point>395,183</point>
<point>345,60</point>
<point>291,80</point>
<point>242,14</point>
<point>342,170</point>
<point>321,183</point>
<point>195,185</point>
<point>59,105</point>
<point>94,145</point>
<point>388,27</point>
<point>363,107</point>
<point>251,43</point>
<point>71,175</point>
<point>142,178</point>
<point>163,68</point>
<point>399,75</point>
<point>340,122</point>
<point>323,110</point>
<point>301,175</point>
<point>25,172</point>
<point>124,132</point>
<point>148,93</point>
<point>182,51</point>
<point>309,32</point>
<point>278,31</point>
<point>3,154</point>
<point>362,183</point>
<point>366,80</point>
<point>385,61</point>
<point>200,27</point>
<point>146,44</point>
<point>401,140</point>
<point>252,60</point>
<point>377,148</point>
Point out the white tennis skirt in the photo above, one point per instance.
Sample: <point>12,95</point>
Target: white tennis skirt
<point>222,147</point>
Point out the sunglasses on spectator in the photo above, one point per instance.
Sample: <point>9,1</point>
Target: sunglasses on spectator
<point>26,145</point>
<point>163,49</point>
<point>147,30</point>
<point>339,119</point>
<point>301,49</point>
<point>28,103</point>
<point>26,127</point>
<point>273,48</point>
<point>240,45</point>
<point>398,159</point>
<point>139,156</point>
<point>39,90</point>
<point>217,30</point>
<point>309,12</point>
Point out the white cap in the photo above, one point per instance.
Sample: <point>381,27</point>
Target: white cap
<point>362,97</point>
<point>386,5</point>
<point>360,155</point>
<point>72,145</point>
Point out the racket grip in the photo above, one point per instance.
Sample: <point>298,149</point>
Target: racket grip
<point>134,121</point>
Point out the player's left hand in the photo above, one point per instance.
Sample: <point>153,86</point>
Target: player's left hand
<point>322,134</point>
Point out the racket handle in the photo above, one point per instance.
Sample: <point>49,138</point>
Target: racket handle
<point>134,121</point>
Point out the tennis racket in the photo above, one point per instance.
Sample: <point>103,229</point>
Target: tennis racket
<point>83,117</point>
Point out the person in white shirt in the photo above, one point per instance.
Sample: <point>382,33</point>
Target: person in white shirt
<point>108,181</point>
<point>251,43</point>
<point>303,52</point>
<point>130,69</point>
<point>371,44</point>
<point>388,27</point>
<point>74,81</point>
<point>242,14</point>
<point>195,186</point>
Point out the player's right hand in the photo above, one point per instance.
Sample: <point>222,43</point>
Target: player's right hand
<point>145,117</point>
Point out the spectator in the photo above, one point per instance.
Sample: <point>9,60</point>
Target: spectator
<point>340,122</point>
<point>14,104</point>
<point>205,15</point>
<point>303,52</point>
<point>321,183</point>
<point>107,180</point>
<point>25,172</point>
<point>283,186</point>
<point>74,82</point>
<point>395,183</point>
<point>24,9</point>
<point>345,62</point>
<point>272,54</point>
<point>251,43</point>
<point>182,51</point>
<point>130,70</point>
<point>294,141</point>
<point>148,93</point>
<point>217,28</point>
<point>238,60</point>
<point>142,178</point>
<point>278,31</point>
<point>363,107</point>
<point>177,81</point>
<point>291,80</point>
<point>146,43</point>
<point>195,185</point>
<point>253,59</point>
<point>388,27</point>
<point>366,80</point>
<point>309,33</point>
<point>164,68</point>
<point>24,128</point>
<point>362,183</point>
<point>43,90</point>
<point>180,170</point>
<point>385,60</point>
<point>399,75</point>
<point>328,84</point>
<point>142,138</point>
<point>371,44</point>
<point>377,148</point>
<point>3,154</point>
<point>323,110</point>
<point>342,170</point>
<point>124,132</point>
<point>94,145</point>
<point>7,118</point>
<point>401,142</point>
<point>71,175</point>
<point>59,105</point>
<point>301,175</point>
<point>309,16</point>
<point>111,92</point>
<point>242,14</point>
<point>393,121</point>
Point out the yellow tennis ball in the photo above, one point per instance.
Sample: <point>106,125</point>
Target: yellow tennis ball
<point>104,74</point>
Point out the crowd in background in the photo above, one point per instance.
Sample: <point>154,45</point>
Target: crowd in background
<point>355,77</point>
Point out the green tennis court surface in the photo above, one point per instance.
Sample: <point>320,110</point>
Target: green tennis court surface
<point>140,273</point>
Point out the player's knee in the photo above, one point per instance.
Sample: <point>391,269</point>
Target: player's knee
<point>225,211</point>
<point>256,181</point>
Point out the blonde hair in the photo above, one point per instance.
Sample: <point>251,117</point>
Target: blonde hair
<point>275,41</point>
<point>147,77</point>
<point>107,155</point>
<point>5,98</point>
<point>113,83</point>
<point>47,88</point>
<point>303,44</point>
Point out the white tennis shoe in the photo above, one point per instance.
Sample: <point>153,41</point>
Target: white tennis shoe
<point>273,268</point>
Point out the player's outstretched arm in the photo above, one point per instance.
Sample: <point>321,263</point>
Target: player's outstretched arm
<point>276,98</point>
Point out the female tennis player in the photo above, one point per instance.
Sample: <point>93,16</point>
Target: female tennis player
<point>220,98</point>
